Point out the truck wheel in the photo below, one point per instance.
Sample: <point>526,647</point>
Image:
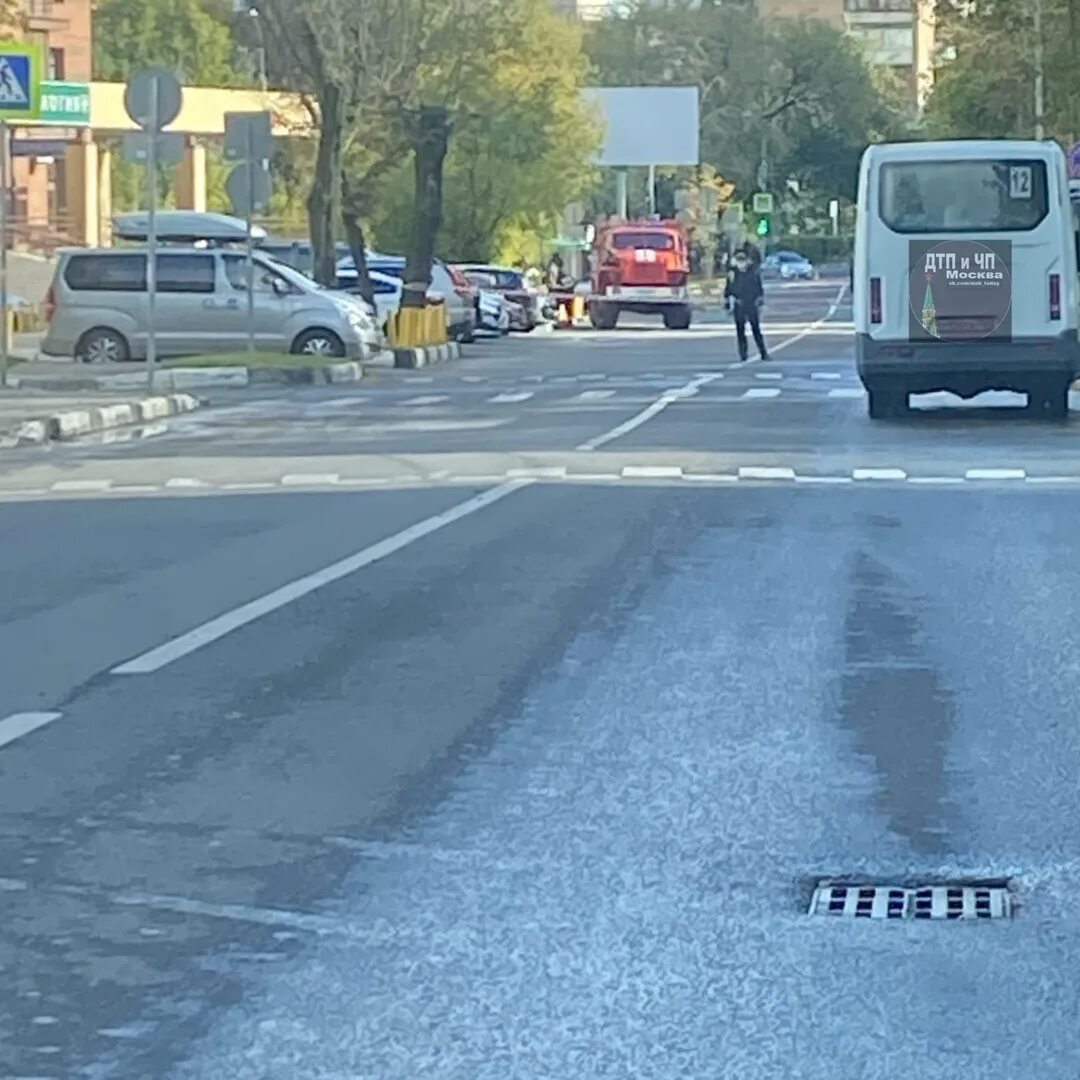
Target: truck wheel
<point>603,316</point>
<point>886,402</point>
<point>677,319</point>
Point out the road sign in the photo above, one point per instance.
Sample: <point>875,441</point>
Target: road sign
<point>20,81</point>
<point>170,147</point>
<point>248,188</point>
<point>763,202</point>
<point>153,98</point>
<point>248,136</point>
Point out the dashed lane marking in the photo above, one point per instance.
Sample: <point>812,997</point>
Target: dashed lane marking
<point>879,474</point>
<point>652,472</point>
<point>996,474</point>
<point>427,399</point>
<point>766,472</point>
<point>317,479</point>
<point>595,395</point>
<point>762,392</point>
<point>847,392</point>
<point>72,486</point>
<point>170,651</point>
<point>17,725</point>
<point>511,397</point>
<point>768,374</point>
<point>830,375</point>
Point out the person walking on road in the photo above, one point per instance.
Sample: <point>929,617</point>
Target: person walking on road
<point>744,296</point>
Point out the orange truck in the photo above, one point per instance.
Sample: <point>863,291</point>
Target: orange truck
<point>643,267</point>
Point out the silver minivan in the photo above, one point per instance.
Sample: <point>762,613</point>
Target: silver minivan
<point>98,310</point>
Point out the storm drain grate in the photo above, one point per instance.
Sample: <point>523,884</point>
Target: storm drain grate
<point>922,902</point>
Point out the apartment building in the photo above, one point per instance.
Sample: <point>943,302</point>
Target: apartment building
<point>40,197</point>
<point>897,34</point>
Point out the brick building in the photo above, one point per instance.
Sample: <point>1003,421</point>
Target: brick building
<point>41,198</point>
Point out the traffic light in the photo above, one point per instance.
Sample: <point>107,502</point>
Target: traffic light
<point>763,226</point>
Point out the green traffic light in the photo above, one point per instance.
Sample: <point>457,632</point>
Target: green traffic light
<point>763,227</point>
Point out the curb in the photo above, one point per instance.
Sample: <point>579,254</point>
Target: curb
<point>430,354</point>
<point>195,378</point>
<point>74,422</point>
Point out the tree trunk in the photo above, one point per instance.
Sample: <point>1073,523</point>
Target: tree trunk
<point>431,142</point>
<point>354,234</point>
<point>324,202</point>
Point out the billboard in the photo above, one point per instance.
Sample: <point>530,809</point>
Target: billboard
<point>648,125</point>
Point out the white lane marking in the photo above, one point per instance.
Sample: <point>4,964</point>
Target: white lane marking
<point>185,482</point>
<point>427,399</point>
<point>473,378</point>
<point>824,480</point>
<point>996,474</point>
<point>762,392</point>
<point>595,395</point>
<point>711,478</point>
<point>592,378</point>
<point>133,489</point>
<point>301,480</point>
<point>879,474</point>
<point>847,392</point>
<point>511,398</point>
<point>249,485</point>
<point>1053,479</point>
<point>826,375</point>
<point>162,655</point>
<point>651,472</point>
<point>551,472</point>
<point>19,724</point>
<point>82,485</point>
<point>765,472</point>
<point>695,384</point>
<point>768,374</point>
<point>935,481</point>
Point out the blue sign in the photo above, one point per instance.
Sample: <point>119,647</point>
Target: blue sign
<point>20,81</point>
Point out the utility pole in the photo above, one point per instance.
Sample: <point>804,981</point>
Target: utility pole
<point>1040,129</point>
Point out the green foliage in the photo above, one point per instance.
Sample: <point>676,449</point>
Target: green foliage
<point>522,140</point>
<point>987,89</point>
<point>190,37</point>
<point>798,88</point>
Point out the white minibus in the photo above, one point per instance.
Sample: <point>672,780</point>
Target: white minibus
<point>965,272</point>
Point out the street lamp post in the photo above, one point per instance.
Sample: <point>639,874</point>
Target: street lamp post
<point>253,14</point>
<point>1040,129</point>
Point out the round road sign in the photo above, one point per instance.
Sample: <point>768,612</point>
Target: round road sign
<point>153,98</point>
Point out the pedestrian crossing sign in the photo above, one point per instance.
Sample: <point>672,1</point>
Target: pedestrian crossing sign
<point>20,81</point>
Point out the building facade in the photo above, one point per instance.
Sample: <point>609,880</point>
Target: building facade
<point>897,34</point>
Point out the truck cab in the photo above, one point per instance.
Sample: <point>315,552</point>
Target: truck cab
<point>642,267</point>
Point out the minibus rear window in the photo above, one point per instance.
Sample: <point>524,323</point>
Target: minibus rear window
<point>963,196</point>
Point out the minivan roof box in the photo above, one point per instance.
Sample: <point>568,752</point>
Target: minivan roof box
<point>185,227</point>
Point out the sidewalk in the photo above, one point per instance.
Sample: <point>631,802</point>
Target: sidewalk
<point>29,418</point>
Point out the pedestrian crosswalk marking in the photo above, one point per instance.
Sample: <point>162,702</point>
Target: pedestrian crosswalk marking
<point>12,92</point>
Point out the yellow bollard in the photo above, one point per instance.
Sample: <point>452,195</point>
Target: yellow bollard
<point>578,308</point>
<point>564,316</point>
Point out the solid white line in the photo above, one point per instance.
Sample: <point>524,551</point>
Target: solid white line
<point>996,474</point>
<point>301,480</point>
<point>711,478</point>
<point>253,485</point>
<point>765,472</point>
<point>1053,479</point>
<point>879,474</point>
<point>669,396</point>
<point>552,472</point>
<point>22,723</point>
<point>651,472</point>
<point>762,392</point>
<point>823,480</point>
<point>170,651</point>
<point>82,485</point>
<point>511,398</point>
<point>935,480</point>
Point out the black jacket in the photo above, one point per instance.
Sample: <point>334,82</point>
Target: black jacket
<point>744,286</point>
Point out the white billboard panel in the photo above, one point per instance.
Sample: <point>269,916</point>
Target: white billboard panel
<point>648,125</point>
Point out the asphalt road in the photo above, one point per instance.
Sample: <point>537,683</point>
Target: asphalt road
<point>497,721</point>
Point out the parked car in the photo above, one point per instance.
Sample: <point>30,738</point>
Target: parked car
<point>492,308</point>
<point>97,308</point>
<point>788,266</point>
<point>297,253</point>
<point>511,283</point>
<point>460,312</point>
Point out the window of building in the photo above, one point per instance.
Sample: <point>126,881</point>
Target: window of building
<point>56,64</point>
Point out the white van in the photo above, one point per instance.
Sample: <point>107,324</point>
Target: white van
<point>965,273</point>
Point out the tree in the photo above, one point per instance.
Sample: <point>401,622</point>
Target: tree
<point>794,92</point>
<point>987,89</point>
<point>522,139</point>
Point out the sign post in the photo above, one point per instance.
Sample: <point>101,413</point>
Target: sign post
<point>249,141</point>
<point>20,100</point>
<point>152,99</point>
